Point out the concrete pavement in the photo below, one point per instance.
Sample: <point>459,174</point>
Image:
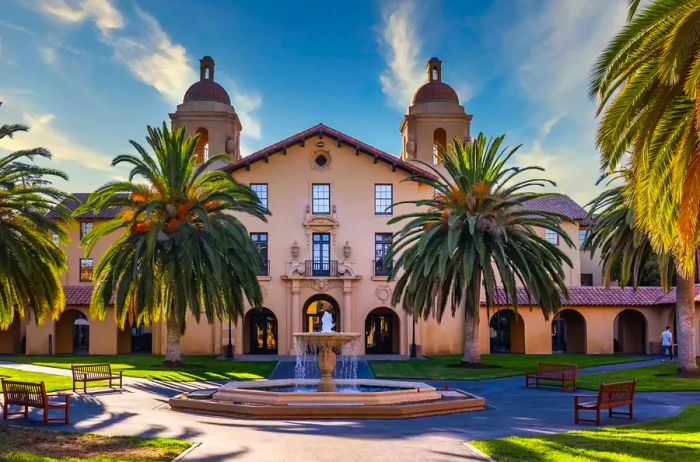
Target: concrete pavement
<point>142,410</point>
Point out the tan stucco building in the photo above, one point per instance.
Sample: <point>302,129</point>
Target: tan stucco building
<point>330,197</point>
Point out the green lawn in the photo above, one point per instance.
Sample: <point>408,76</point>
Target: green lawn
<point>150,366</point>
<point>448,367</point>
<point>52,382</point>
<point>36,445</point>
<point>677,438</point>
<point>653,378</point>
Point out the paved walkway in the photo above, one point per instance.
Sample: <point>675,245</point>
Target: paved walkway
<point>142,410</point>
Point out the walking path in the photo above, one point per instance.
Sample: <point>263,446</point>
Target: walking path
<point>142,410</point>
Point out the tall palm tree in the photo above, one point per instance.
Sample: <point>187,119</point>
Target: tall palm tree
<point>477,228</point>
<point>646,83</point>
<point>183,251</point>
<point>30,262</point>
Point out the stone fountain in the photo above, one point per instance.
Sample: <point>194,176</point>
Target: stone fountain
<point>339,396</point>
<point>326,342</point>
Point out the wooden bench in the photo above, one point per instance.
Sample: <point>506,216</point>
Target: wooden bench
<point>29,394</point>
<point>564,373</point>
<point>610,396</point>
<point>94,373</point>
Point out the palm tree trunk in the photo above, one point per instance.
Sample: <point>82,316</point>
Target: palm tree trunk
<point>470,303</point>
<point>685,325</point>
<point>172,340</point>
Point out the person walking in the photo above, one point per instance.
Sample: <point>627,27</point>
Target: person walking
<point>666,344</point>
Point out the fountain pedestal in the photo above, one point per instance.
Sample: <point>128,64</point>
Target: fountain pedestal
<point>326,343</point>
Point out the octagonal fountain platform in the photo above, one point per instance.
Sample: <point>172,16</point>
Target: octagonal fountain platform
<point>337,393</point>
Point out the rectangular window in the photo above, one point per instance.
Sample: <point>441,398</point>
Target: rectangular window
<point>260,189</point>
<point>321,254</point>
<point>383,199</point>
<point>586,279</point>
<point>260,241</point>
<point>85,227</point>
<point>86,266</point>
<point>382,243</point>
<point>551,236</point>
<point>582,235</point>
<point>321,198</point>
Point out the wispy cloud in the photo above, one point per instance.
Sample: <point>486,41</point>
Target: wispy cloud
<point>398,36</point>
<point>103,13</point>
<point>42,132</point>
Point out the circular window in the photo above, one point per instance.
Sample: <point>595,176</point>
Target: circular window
<point>321,160</point>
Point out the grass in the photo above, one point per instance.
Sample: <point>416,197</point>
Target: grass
<point>504,365</point>
<point>52,382</point>
<point>196,368</point>
<point>33,445</point>
<point>677,438</point>
<point>653,378</point>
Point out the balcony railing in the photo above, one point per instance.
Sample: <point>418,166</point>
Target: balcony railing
<point>382,268</point>
<point>264,269</point>
<point>327,268</point>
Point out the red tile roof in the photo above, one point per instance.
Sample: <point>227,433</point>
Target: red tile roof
<point>340,137</point>
<point>557,203</point>
<point>600,296</point>
<point>77,295</point>
<point>77,199</point>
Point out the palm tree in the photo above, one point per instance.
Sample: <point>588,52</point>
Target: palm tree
<point>646,83</point>
<point>476,228</point>
<point>30,262</point>
<point>182,251</point>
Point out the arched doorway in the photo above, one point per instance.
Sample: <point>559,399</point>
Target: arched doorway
<point>382,332</point>
<point>568,332</point>
<point>72,333</point>
<point>630,331</point>
<point>260,332</point>
<point>201,150</point>
<point>11,339</point>
<point>507,332</point>
<point>314,309</point>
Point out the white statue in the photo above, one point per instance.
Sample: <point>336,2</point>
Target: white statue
<point>327,324</point>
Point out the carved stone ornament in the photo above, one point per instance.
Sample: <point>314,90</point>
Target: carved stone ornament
<point>320,159</point>
<point>383,292</point>
<point>347,250</point>
<point>321,285</point>
<point>295,251</point>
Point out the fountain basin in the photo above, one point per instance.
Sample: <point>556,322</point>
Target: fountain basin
<point>263,400</point>
<point>268,392</point>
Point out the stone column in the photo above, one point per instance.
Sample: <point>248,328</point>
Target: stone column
<point>296,314</point>
<point>347,310</point>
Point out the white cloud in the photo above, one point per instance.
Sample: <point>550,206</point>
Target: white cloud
<point>103,13</point>
<point>551,50</point>
<point>48,55</point>
<point>246,104</point>
<point>42,132</point>
<point>399,36</point>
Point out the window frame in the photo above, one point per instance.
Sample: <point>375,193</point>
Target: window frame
<point>382,246</point>
<point>586,232</point>
<point>320,200</point>
<point>266,201</point>
<point>80,269</point>
<point>83,223</point>
<point>378,209</point>
<point>265,270</point>
<point>549,234</point>
<point>590,275</point>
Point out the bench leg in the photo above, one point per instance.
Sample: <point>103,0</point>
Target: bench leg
<point>46,416</point>
<point>84,386</point>
<point>597,417</point>
<point>110,382</point>
<point>26,412</point>
<point>73,385</point>
<point>5,410</point>
<point>631,411</point>
<point>576,418</point>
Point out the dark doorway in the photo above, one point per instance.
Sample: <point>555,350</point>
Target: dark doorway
<point>262,331</point>
<point>568,332</point>
<point>314,309</point>
<point>507,332</point>
<point>141,339</point>
<point>81,335</point>
<point>630,330</point>
<point>382,332</point>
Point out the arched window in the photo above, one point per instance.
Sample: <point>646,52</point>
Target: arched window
<point>314,309</point>
<point>439,144</point>
<point>202,148</point>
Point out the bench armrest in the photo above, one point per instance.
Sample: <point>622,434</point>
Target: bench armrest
<point>585,396</point>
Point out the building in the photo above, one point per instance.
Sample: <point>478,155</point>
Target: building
<point>331,197</point>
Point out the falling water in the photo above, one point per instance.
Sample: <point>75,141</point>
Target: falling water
<point>307,361</point>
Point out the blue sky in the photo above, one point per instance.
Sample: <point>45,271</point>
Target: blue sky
<point>88,75</point>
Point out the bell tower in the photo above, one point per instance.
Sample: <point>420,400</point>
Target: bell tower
<point>206,110</point>
<point>434,118</point>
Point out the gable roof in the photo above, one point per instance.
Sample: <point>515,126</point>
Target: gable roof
<point>341,138</point>
<point>77,199</point>
<point>558,203</point>
<point>80,295</point>
<point>600,296</point>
